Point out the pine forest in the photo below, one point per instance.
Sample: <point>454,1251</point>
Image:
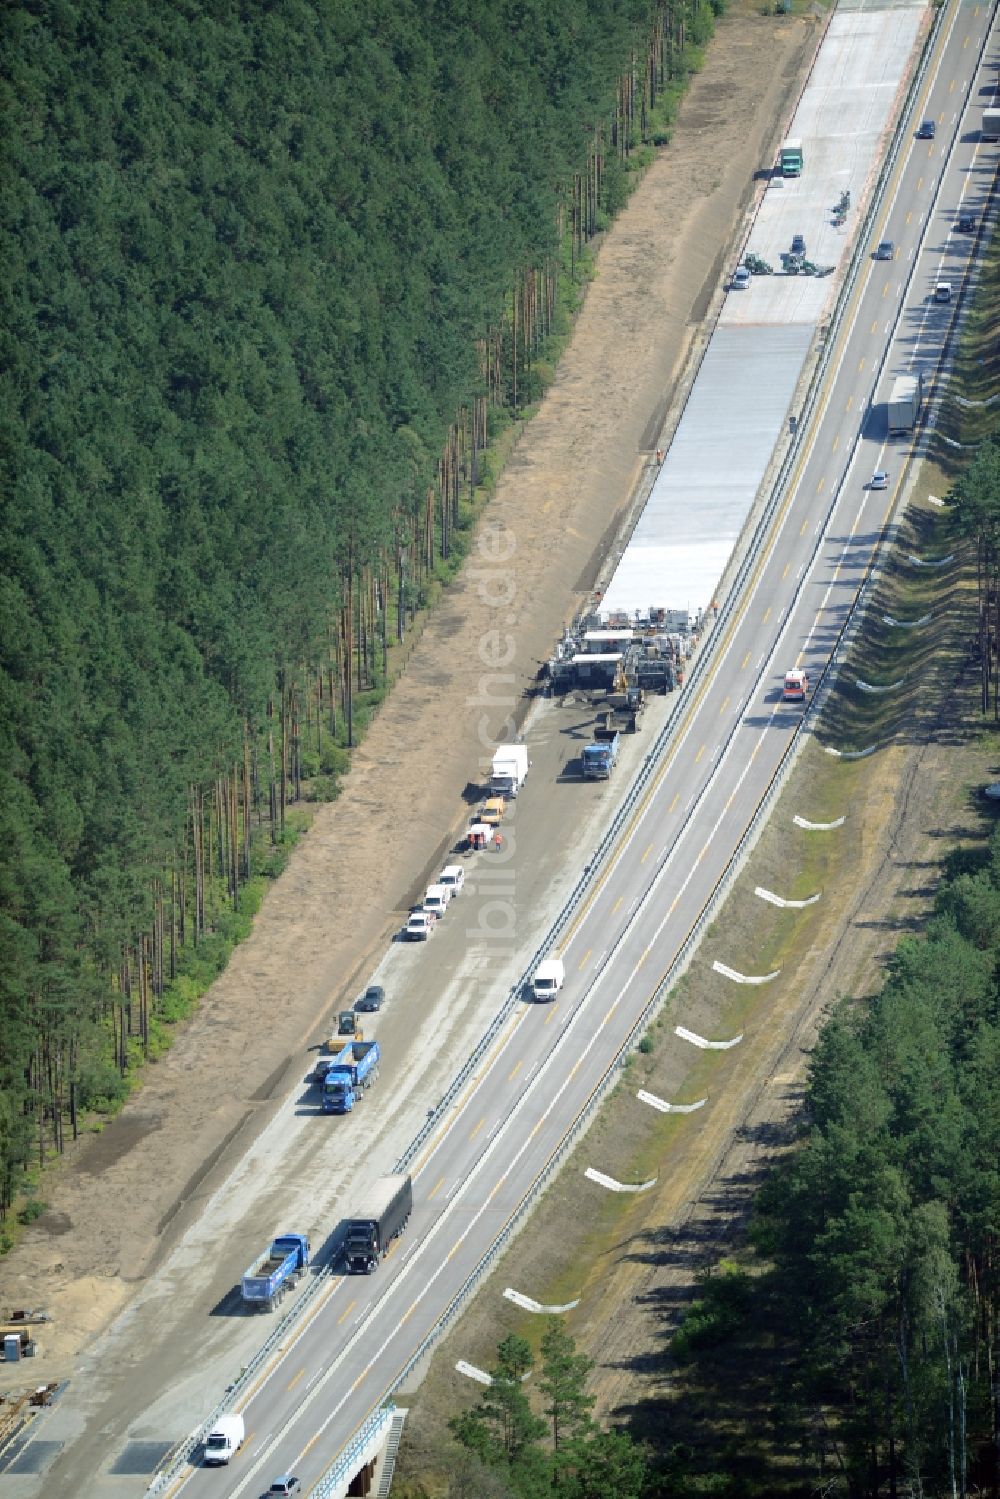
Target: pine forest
<point>274,275</point>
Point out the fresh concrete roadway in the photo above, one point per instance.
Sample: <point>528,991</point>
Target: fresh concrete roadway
<point>501,1134</point>
<point>340,1363</point>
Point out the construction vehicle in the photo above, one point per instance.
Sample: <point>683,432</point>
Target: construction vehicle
<point>622,715</point>
<point>265,1281</point>
<point>600,758</point>
<point>347,1024</point>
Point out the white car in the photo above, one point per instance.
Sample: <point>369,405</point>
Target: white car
<point>741,278</point>
<point>420,926</point>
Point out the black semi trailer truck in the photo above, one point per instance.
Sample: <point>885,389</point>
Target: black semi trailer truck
<point>381,1219</point>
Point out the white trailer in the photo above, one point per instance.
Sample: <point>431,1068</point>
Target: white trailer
<point>904,403</point>
<point>991,124</point>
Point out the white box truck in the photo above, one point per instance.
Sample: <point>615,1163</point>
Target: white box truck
<point>904,403</point>
<point>991,124</point>
<point>509,769</point>
<point>225,1438</point>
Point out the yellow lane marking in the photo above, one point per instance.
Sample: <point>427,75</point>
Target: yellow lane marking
<point>514,1071</point>
<point>874,326</point>
<point>767,615</point>
<point>677,797</point>
<point>785,572</point>
<point>552,1010</point>
<point>908,218</point>
<point>861,365</point>
<point>478,1127</point>
<point>696,759</point>
<point>583,961</point>
<point>617,903</point>
<point>291,1385</point>
<point>743,663</point>
<point>920,183</point>
<point>850,402</point>
<point>725,705</point>
<point>612,1010</point>
<point>802,532</point>
<point>646,854</point>
<point>836,442</point>
<point>346,1312</point>
<point>436,1188</point>
<point>885,290</point>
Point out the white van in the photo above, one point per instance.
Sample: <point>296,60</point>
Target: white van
<point>452,877</point>
<point>549,978</point>
<point>437,899</point>
<point>225,1438</point>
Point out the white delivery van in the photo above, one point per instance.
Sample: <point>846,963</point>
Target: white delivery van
<point>437,899</point>
<point>225,1438</point>
<point>942,292</point>
<point>452,877</point>
<point>549,978</point>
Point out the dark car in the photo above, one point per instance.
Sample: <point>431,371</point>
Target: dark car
<point>885,250</point>
<point>966,223</point>
<point>798,244</point>
<point>371,999</point>
<point>927,130</point>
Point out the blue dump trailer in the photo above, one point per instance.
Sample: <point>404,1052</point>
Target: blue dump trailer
<point>354,1070</point>
<point>267,1279</point>
<point>600,758</point>
<point>381,1219</point>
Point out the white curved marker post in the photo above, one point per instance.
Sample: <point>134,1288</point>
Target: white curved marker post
<point>528,1305</point>
<point>615,1186</point>
<point>669,1108</point>
<point>818,827</point>
<point>744,978</point>
<point>699,1041</point>
<point>850,754</point>
<point>787,905</point>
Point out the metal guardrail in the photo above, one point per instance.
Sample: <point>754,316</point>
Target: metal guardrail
<point>704,659</point>
<point>344,1466</point>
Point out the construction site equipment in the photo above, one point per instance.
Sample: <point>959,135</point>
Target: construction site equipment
<point>757,267</point>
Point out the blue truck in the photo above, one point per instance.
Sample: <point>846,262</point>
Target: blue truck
<point>600,758</point>
<point>354,1069</point>
<point>267,1279</point>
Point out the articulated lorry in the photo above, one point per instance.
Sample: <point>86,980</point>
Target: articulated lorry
<point>267,1279</point>
<point>600,758</point>
<point>904,403</point>
<point>991,124</point>
<point>510,769</point>
<point>353,1070</point>
<point>381,1219</point>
